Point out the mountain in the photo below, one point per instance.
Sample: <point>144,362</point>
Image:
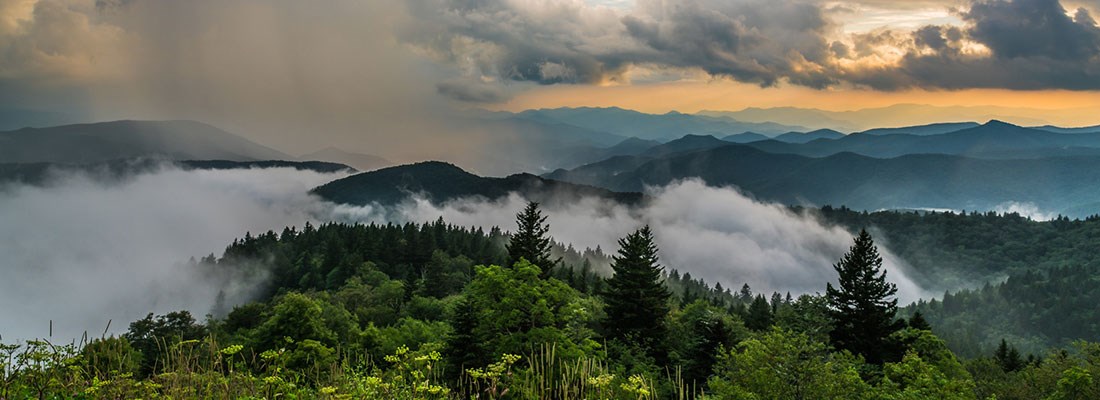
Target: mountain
<point>923,130</point>
<point>441,182</point>
<point>1055,129</point>
<point>686,143</point>
<point>993,140</point>
<point>815,119</point>
<point>11,119</point>
<point>1063,184</point>
<point>800,137</point>
<point>586,155</point>
<point>900,115</point>
<point>362,162</point>
<point>39,173</point>
<point>747,137</point>
<point>105,141</point>
<point>649,126</point>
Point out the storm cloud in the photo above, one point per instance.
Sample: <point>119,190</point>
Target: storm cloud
<point>1014,44</point>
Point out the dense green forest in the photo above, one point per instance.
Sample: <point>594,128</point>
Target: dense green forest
<point>436,311</point>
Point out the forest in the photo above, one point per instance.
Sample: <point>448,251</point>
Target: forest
<point>437,311</point>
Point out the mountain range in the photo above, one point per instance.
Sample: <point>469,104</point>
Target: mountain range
<point>944,165</point>
<point>41,172</point>
<point>900,115</point>
<point>100,142</point>
<point>440,182</point>
<point>1069,185</point>
<point>660,127</point>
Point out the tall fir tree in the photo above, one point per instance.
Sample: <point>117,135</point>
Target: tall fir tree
<point>532,240</point>
<point>759,316</point>
<point>864,306</point>
<point>636,296</point>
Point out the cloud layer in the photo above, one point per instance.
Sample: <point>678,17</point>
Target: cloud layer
<point>81,251</point>
<point>717,234</point>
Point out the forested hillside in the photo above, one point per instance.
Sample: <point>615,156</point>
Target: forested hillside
<point>435,311</point>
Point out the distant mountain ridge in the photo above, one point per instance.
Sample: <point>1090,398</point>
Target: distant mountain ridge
<point>806,137</point>
<point>1069,185</point>
<point>39,173</point>
<point>992,140</point>
<point>923,130</point>
<point>359,161</point>
<point>441,182</point>
<point>898,115</point>
<point>106,141</point>
<point>662,127</point>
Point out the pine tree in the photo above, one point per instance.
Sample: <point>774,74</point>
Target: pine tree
<point>532,240</point>
<point>463,346</point>
<point>1008,357</point>
<point>636,297</point>
<point>918,322</point>
<point>759,315</point>
<point>863,308</point>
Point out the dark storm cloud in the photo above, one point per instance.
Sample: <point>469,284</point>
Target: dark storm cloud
<point>569,42</point>
<point>1032,44</point>
<point>315,64</point>
<point>1034,29</point>
<point>472,92</point>
<point>750,41</point>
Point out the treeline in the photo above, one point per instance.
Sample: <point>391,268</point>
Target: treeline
<point>950,250</point>
<point>435,311</point>
<point>1033,310</point>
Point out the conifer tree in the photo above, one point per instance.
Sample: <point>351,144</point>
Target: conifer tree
<point>864,306</point>
<point>918,322</point>
<point>1008,357</point>
<point>532,240</point>
<point>636,297</point>
<point>759,316</point>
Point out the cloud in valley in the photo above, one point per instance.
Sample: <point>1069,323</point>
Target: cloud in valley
<point>81,250</point>
<point>716,234</point>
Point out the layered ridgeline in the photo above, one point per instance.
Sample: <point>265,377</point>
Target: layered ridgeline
<point>440,182</point>
<point>98,142</point>
<point>125,148</point>
<point>942,171</point>
<point>40,173</point>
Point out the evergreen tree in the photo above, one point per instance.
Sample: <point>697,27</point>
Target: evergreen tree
<point>918,322</point>
<point>636,297</point>
<point>759,316</point>
<point>863,307</point>
<point>532,240</point>
<point>1008,357</point>
<point>463,348</point>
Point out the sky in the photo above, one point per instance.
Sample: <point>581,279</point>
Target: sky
<point>379,74</point>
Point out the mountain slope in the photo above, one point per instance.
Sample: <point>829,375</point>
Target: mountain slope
<point>923,130</point>
<point>993,140</point>
<point>747,137</point>
<point>806,137</point>
<point>650,126</point>
<point>441,182</point>
<point>1064,184</point>
<point>40,173</point>
<point>359,161</point>
<point>98,142</point>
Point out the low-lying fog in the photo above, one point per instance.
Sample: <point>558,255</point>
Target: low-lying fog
<point>81,250</point>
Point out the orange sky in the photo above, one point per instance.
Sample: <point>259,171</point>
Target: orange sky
<point>690,97</point>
